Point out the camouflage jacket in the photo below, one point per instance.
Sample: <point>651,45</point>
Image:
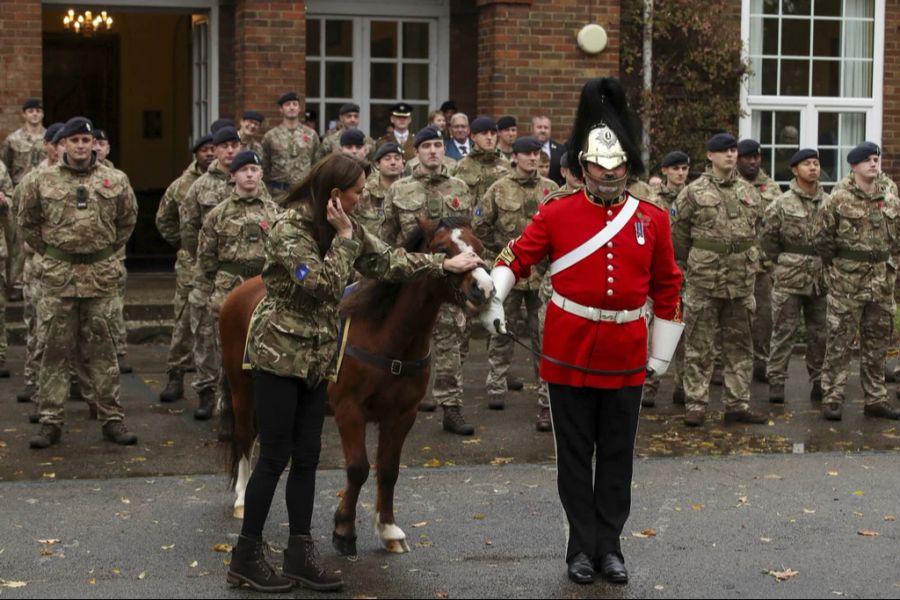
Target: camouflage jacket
<point>714,230</point>
<point>423,195</point>
<point>288,154</point>
<point>506,210</point>
<point>639,189</point>
<point>408,149</point>
<point>885,182</point>
<point>787,240</point>
<point>21,152</point>
<point>370,211</point>
<point>233,235</point>
<point>855,233</point>
<point>167,219</point>
<point>332,143</point>
<point>7,213</point>
<point>248,143</point>
<point>766,187</point>
<point>295,331</point>
<point>78,212</point>
<point>480,169</point>
<point>664,196</point>
<point>204,195</point>
<point>449,166</point>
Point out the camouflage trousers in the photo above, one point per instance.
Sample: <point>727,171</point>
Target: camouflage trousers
<point>787,311</point>
<point>117,317</point>
<point>874,322</point>
<point>78,327</point>
<point>3,342</point>
<point>450,349</point>
<point>17,258</point>
<point>207,357</point>
<point>705,319</point>
<point>34,341</point>
<point>762,319</point>
<point>181,348</point>
<point>501,348</point>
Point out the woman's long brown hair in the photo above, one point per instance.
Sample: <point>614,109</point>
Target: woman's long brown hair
<point>334,171</point>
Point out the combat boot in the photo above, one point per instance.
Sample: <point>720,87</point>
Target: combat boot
<point>776,393</point>
<point>250,566</point>
<point>301,564</point>
<point>174,389</point>
<point>427,404</point>
<point>34,417</point>
<point>116,432</point>
<point>514,384</point>
<point>648,398</point>
<point>46,437</point>
<point>544,422</point>
<point>4,373</point>
<point>745,416</point>
<point>124,369</point>
<point>832,411</point>
<point>26,395</point>
<point>496,402</point>
<point>455,423</point>
<point>695,417</point>
<point>882,410</point>
<point>815,394</point>
<point>207,404</point>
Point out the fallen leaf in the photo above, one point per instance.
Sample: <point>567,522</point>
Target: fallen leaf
<point>194,564</point>
<point>857,513</point>
<point>12,584</point>
<point>766,540</point>
<point>833,473</point>
<point>488,543</point>
<point>137,459</point>
<point>502,460</point>
<point>773,477</point>
<point>48,541</point>
<point>92,581</point>
<point>420,524</point>
<point>479,517</point>
<point>658,588</point>
<point>472,441</point>
<point>890,518</point>
<point>47,552</point>
<point>49,475</point>
<point>859,493</point>
<point>125,500</point>
<point>809,511</point>
<point>222,548</point>
<point>782,575</point>
<point>142,575</point>
<point>647,533</point>
<point>868,533</point>
<point>696,507</point>
<point>442,595</point>
<point>169,547</point>
<point>176,411</point>
<point>433,463</point>
<point>2,444</point>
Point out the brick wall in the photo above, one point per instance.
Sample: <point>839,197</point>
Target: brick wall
<point>20,59</point>
<point>226,62</point>
<point>463,56</point>
<point>269,54</point>
<point>890,134</point>
<point>529,62</point>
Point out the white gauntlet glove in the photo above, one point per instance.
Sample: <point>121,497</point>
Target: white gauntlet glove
<point>493,317</point>
<point>664,336</point>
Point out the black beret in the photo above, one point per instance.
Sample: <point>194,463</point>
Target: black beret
<point>747,147</point>
<point>99,134</point>
<point>247,157</point>
<point>506,122</point>
<point>448,105</point>
<point>52,131</point>
<point>676,157</point>
<point>31,103</point>
<point>57,137</point>
<point>802,154</point>
<point>482,124</point>
<point>202,141</point>
<point>75,126</point>
<point>721,142</point>
<point>401,109</point>
<point>288,97</point>
<point>348,108</point>
<point>353,137</point>
<point>220,123</point>
<point>527,144</point>
<point>253,115</point>
<point>387,148</point>
<point>862,152</point>
<point>311,115</point>
<point>426,134</point>
<point>226,134</point>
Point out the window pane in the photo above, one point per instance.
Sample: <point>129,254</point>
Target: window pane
<point>313,37</point>
<point>384,80</point>
<point>795,37</point>
<point>859,40</point>
<point>827,38</point>
<point>853,129</point>
<point>380,117</point>
<point>415,82</point>
<point>313,70</point>
<point>770,36</point>
<point>770,77</point>
<point>826,78</point>
<point>787,126</point>
<point>765,126</point>
<point>828,129</point>
<point>756,78</point>
<point>860,9</point>
<point>339,38</point>
<point>794,78</point>
<point>419,117</point>
<point>415,40</point>
<point>384,39</point>
<point>339,79</point>
<point>769,7</point>
<point>330,119</point>
<point>828,8</point>
<point>830,162</point>
<point>796,7</point>
<point>857,79</point>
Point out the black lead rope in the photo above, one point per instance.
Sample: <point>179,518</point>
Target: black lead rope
<point>560,363</point>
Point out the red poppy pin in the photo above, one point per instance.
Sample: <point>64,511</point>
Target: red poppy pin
<point>264,225</point>
<point>455,202</point>
<point>546,191</point>
<point>305,138</point>
<point>762,188</point>
<point>748,201</point>
<point>106,183</point>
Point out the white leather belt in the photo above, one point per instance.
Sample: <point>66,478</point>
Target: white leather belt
<point>598,314</point>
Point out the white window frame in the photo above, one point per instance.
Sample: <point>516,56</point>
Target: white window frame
<point>436,12</point>
<point>810,106</point>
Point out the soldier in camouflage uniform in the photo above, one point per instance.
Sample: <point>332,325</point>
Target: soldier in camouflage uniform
<point>500,216</point>
<point>206,193</point>
<point>798,281</point>
<point>857,234</point>
<point>484,164</point>
<point>714,230</point>
<point>353,144</point>
<point>181,348</point>
<point>369,212</point>
<point>102,148</point>
<point>230,247</point>
<point>431,193</point>
<point>348,118</point>
<point>401,117</point>
<point>251,121</point>
<point>507,134</point>
<point>749,167</point>
<point>675,167</point>
<point>78,215</point>
<point>289,149</point>
<point>7,217</point>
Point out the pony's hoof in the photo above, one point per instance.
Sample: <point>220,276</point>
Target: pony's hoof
<point>345,545</point>
<point>396,546</point>
<point>238,512</point>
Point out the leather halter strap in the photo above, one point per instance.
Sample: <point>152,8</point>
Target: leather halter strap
<point>398,368</point>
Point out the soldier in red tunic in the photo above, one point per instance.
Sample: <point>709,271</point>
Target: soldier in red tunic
<point>612,268</point>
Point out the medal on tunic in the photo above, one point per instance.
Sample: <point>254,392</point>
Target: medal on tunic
<point>639,233</point>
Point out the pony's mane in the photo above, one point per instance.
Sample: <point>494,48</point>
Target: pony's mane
<point>373,299</point>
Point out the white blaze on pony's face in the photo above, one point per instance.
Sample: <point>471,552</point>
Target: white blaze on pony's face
<point>482,279</point>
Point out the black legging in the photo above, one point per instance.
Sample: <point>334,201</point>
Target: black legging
<point>290,417</point>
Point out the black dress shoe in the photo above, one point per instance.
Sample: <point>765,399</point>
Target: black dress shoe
<point>612,567</point>
<point>581,569</point>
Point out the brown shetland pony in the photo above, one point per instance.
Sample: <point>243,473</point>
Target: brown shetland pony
<point>390,328</point>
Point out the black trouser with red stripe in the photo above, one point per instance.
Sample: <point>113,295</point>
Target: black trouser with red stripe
<point>597,503</point>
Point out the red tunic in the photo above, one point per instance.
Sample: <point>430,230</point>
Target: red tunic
<point>620,276</point>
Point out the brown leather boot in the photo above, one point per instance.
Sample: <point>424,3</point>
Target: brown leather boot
<point>250,566</point>
<point>174,388</point>
<point>455,423</point>
<point>301,564</point>
<point>46,437</point>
